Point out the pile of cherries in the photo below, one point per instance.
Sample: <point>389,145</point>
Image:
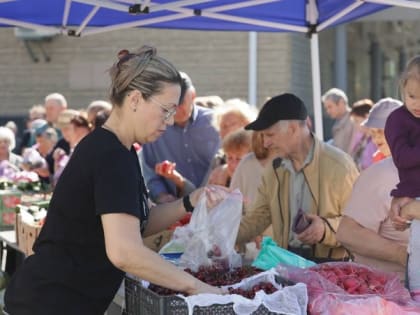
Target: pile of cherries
<point>216,277</point>
<point>267,287</point>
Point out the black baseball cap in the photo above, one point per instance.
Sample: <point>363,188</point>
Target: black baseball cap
<point>281,107</point>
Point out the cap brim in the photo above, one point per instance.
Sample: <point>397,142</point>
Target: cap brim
<point>258,125</point>
<point>374,123</point>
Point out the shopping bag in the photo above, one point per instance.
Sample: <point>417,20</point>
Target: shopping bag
<point>271,255</point>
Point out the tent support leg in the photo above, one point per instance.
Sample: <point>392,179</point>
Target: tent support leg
<point>30,51</point>
<point>252,68</point>
<point>316,86</point>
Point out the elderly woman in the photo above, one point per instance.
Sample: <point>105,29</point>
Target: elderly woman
<point>361,146</point>
<point>235,145</point>
<point>7,144</point>
<point>366,228</point>
<point>233,115</point>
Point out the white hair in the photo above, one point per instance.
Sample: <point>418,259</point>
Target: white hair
<point>284,124</point>
<point>335,95</point>
<point>12,126</point>
<point>236,106</point>
<point>9,136</point>
<point>59,98</point>
<point>99,104</point>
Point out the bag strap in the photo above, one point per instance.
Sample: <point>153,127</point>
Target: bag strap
<point>349,254</point>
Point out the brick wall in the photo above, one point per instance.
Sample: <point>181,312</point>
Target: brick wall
<point>216,61</point>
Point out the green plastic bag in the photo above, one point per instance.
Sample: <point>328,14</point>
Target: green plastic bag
<point>271,255</point>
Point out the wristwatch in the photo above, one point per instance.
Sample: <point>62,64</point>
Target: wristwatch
<point>187,203</point>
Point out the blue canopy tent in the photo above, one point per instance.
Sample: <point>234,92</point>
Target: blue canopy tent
<point>88,17</point>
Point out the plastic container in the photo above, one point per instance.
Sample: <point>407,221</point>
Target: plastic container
<point>142,301</point>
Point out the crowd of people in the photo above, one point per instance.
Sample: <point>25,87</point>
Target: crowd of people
<point>123,172</point>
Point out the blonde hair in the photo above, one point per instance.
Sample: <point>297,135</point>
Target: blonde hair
<point>237,140</point>
<point>258,148</point>
<point>37,111</point>
<point>238,107</point>
<point>412,71</point>
<point>144,71</point>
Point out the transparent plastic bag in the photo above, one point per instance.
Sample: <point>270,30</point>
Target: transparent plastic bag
<point>330,296</point>
<point>210,237</point>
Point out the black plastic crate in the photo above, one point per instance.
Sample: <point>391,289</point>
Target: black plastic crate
<point>142,301</point>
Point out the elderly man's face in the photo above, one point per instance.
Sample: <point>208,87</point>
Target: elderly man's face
<point>277,138</point>
<point>4,145</point>
<point>52,110</point>
<point>184,110</point>
<point>334,110</point>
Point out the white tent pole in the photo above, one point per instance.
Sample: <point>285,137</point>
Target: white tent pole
<point>135,24</point>
<point>154,7</point>
<point>280,26</point>
<point>316,86</point>
<point>87,19</point>
<point>312,16</point>
<point>339,15</point>
<point>252,68</point>
<point>66,13</point>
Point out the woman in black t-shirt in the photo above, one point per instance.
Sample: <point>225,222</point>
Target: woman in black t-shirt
<point>91,236</point>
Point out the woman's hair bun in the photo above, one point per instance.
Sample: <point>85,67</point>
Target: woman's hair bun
<point>122,53</point>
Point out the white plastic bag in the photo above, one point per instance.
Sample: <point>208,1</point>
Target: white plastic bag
<point>210,237</point>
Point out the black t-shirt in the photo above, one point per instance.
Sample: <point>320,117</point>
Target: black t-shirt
<point>70,272</point>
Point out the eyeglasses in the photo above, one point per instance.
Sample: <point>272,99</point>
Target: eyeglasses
<point>167,113</point>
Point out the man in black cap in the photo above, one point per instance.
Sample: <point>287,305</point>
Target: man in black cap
<point>309,183</point>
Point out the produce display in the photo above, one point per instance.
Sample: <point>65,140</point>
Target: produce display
<point>213,276</point>
<point>353,279</point>
<point>267,287</point>
<point>25,181</point>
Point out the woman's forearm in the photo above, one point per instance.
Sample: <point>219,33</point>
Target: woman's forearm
<point>163,215</point>
<point>126,251</point>
<point>365,242</point>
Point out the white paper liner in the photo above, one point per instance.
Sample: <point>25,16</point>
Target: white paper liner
<point>291,300</point>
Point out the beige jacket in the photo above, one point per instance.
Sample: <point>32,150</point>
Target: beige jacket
<point>343,132</point>
<point>330,177</point>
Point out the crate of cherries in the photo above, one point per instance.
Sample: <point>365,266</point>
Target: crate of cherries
<point>154,299</point>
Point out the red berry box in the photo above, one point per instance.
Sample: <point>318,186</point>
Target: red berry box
<point>143,301</point>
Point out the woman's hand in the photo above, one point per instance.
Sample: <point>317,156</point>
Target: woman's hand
<point>168,170</point>
<point>206,288</point>
<point>214,194</point>
<point>165,169</point>
<point>408,212</point>
<point>58,154</point>
<point>399,221</point>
